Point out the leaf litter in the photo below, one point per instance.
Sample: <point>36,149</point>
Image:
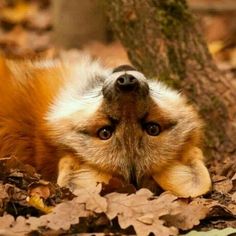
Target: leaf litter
<point>29,204</point>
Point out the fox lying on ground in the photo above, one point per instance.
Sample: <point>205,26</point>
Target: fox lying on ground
<point>81,124</point>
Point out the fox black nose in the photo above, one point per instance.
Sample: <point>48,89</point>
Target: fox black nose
<point>126,82</point>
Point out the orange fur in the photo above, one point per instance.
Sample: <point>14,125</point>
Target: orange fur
<point>25,95</point>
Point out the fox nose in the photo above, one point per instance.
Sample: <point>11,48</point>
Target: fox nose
<point>126,82</point>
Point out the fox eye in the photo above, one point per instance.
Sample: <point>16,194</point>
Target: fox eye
<point>152,128</point>
<point>105,132</point>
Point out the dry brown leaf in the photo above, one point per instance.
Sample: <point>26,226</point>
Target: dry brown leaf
<point>62,217</point>
<point>186,215</point>
<point>232,208</point>
<point>147,219</point>
<point>234,197</point>
<point>222,184</point>
<point>3,193</point>
<point>66,214</point>
<point>16,194</point>
<point>41,190</point>
<point>218,209</point>
<point>11,168</point>
<point>10,226</point>
<point>142,211</point>
<point>234,177</point>
<point>3,197</point>
<point>6,222</point>
<point>91,197</point>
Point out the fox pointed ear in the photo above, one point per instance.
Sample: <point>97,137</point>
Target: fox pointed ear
<point>123,68</point>
<point>186,178</point>
<point>74,175</point>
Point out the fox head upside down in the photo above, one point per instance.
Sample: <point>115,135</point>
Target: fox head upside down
<point>83,123</point>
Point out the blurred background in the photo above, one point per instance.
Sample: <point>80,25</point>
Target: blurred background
<point>45,27</point>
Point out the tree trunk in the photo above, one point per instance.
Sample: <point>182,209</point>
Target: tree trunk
<point>163,40</point>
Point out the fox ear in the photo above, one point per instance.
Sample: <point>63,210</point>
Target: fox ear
<point>186,178</point>
<point>74,175</point>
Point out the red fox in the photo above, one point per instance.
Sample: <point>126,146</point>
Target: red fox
<point>82,123</point>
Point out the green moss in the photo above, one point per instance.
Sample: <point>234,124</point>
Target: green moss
<point>215,124</point>
<point>168,79</point>
<point>176,64</point>
<point>208,141</point>
<point>200,60</point>
<point>170,15</point>
<point>218,105</point>
<point>173,17</point>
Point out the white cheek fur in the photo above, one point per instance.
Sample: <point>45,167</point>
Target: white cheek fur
<point>76,96</point>
<point>167,99</point>
<point>68,104</point>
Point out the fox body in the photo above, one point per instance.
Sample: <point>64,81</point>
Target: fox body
<point>81,123</point>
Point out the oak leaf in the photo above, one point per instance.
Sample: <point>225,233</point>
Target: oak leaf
<point>186,214</point>
<point>92,199</point>
<point>142,211</point>
<point>222,184</point>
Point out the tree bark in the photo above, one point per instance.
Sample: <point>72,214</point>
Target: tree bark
<point>164,41</point>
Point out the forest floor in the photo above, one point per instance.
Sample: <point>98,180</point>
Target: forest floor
<point>30,205</point>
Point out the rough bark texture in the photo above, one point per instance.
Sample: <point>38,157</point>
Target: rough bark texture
<point>163,40</point>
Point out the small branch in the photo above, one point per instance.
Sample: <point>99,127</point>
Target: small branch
<point>213,7</point>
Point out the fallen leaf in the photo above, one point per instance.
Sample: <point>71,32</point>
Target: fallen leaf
<point>39,204</point>
<point>117,185</point>
<point>41,190</point>
<point>11,168</point>
<point>6,222</point>
<point>142,211</point>
<point>3,193</point>
<point>16,194</point>
<point>222,184</point>
<point>232,208</point>
<point>66,214</point>
<point>186,214</point>
<point>61,217</point>
<point>92,198</point>
<point>234,197</point>
<point>146,219</point>
<point>234,177</point>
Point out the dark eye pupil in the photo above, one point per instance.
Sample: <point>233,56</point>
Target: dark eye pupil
<point>152,129</point>
<point>105,133</point>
